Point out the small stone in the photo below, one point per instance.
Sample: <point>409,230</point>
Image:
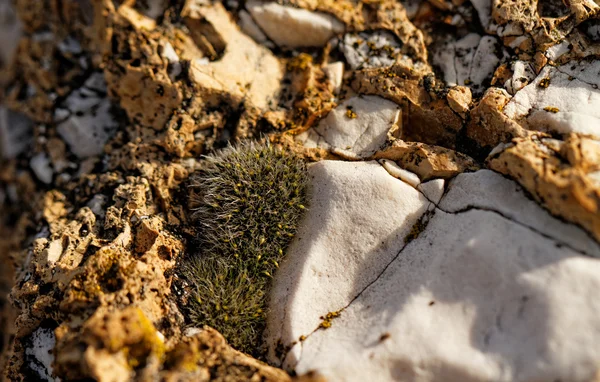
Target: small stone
<point>370,49</point>
<point>90,124</point>
<point>399,173</point>
<point>335,75</point>
<point>293,27</point>
<point>359,125</point>
<point>40,164</point>
<point>39,355</point>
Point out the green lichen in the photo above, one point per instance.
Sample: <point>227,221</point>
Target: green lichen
<point>247,201</point>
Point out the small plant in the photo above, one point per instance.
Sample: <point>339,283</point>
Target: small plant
<point>247,202</point>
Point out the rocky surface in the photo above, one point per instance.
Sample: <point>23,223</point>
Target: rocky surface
<point>416,261</point>
<point>481,289</point>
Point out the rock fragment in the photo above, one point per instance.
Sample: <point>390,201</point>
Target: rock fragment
<point>557,174</point>
<point>470,61</point>
<point>561,100</point>
<point>359,125</point>
<point>90,123</point>
<point>292,27</point>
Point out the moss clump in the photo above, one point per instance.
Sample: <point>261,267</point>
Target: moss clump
<point>247,202</point>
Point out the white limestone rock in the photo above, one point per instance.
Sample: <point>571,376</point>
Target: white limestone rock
<point>523,74</point>
<point>39,355</point>
<point>356,224</point>
<point>370,49</point>
<point>250,27</point>
<point>359,126</point>
<point>561,99</point>
<point>484,11</point>
<point>487,190</point>
<point>16,133</point>
<point>489,290</point>
<point>399,173</point>
<point>40,164</point>
<point>85,120</point>
<point>293,27</point>
<point>335,75</point>
<point>470,61</point>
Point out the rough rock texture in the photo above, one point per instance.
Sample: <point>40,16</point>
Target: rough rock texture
<point>106,108</point>
<point>485,281</point>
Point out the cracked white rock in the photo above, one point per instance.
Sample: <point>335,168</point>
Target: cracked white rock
<point>489,290</point>
<point>470,61</point>
<point>370,49</point>
<point>357,222</point>
<point>39,354</point>
<point>561,99</point>
<point>90,123</point>
<point>293,27</point>
<point>15,133</point>
<point>359,126</point>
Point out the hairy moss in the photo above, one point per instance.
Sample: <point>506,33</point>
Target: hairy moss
<point>247,202</point>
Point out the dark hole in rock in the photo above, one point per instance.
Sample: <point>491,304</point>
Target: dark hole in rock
<point>552,8</point>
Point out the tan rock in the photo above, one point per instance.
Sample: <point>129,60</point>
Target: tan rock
<point>205,356</point>
<point>427,161</point>
<point>559,175</point>
<point>489,126</point>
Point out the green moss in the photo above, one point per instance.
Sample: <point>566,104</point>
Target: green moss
<point>247,203</point>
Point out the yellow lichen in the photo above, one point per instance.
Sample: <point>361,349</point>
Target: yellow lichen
<point>329,317</point>
<point>551,109</point>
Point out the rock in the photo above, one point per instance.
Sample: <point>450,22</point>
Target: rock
<point>459,99</point>
<point>292,27</point>
<point>356,224</point>
<point>433,190</point>
<point>523,74</point>
<point>562,100</point>
<point>397,172</point>
<point>39,354</point>
<point>40,164</point>
<point>558,174</point>
<point>489,126</point>
<point>251,29</point>
<point>204,355</point>
<point>470,61</point>
<point>335,74</point>
<point>370,49</point>
<point>482,286</point>
<point>358,125</point>
<point>427,161</point>
<point>90,123</point>
<point>15,133</point>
